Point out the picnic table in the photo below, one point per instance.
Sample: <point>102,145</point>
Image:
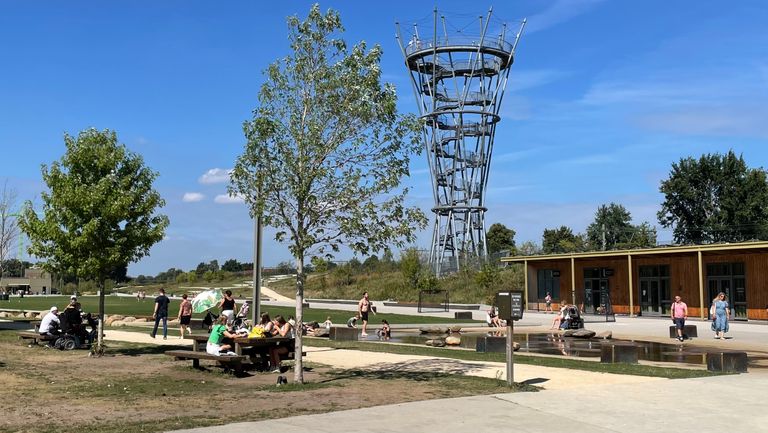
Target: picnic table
<point>245,344</point>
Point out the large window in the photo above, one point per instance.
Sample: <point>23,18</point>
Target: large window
<point>729,278</point>
<point>655,296</point>
<point>548,281</point>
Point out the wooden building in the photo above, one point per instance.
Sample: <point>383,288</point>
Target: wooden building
<point>645,281</point>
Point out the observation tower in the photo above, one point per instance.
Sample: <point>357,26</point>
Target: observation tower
<point>459,75</point>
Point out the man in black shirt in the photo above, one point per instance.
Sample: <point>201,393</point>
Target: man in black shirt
<point>161,313</point>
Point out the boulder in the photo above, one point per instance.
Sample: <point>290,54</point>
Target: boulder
<point>4,314</point>
<point>455,328</point>
<point>142,320</point>
<point>582,333</point>
<point>515,346</point>
<point>433,330</point>
<point>319,332</point>
<point>437,342</point>
<point>453,340</point>
<point>129,319</point>
<point>117,317</point>
<point>117,323</point>
<point>605,335</point>
<point>30,315</point>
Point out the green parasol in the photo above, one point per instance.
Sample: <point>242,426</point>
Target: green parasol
<point>206,300</point>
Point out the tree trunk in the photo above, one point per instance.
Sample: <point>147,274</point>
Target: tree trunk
<point>99,350</point>
<point>298,375</point>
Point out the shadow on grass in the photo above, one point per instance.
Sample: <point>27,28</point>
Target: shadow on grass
<point>420,370</point>
<point>141,349</point>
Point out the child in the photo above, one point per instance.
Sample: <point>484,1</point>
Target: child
<point>385,331</point>
<point>352,322</point>
<point>327,324</point>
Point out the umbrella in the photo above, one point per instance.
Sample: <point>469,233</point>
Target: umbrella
<point>206,300</point>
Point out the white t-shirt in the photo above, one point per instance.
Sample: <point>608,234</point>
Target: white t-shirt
<point>50,322</point>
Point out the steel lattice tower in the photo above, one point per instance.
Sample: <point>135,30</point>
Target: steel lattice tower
<point>459,80</point>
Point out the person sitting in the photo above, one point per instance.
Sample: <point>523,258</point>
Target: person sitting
<point>266,324</point>
<point>284,329</point>
<point>559,317</point>
<point>217,345</point>
<point>51,324</point>
<point>492,318</point>
<point>72,322</point>
<point>327,324</point>
<point>385,331</point>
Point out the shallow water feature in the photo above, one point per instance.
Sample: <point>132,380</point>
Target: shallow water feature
<point>555,344</point>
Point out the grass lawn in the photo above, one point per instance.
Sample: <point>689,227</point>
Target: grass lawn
<point>128,306</point>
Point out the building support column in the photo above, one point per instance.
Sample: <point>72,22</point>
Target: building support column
<point>573,282</point>
<point>629,284</point>
<point>702,313</point>
<point>525,282</point>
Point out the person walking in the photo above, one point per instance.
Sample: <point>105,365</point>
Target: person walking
<point>679,314</point>
<point>161,313</point>
<point>363,307</point>
<point>720,311</point>
<point>185,315</point>
<point>548,303</point>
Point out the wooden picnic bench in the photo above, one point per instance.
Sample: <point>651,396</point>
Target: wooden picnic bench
<point>233,361</point>
<point>35,336</point>
<point>257,349</point>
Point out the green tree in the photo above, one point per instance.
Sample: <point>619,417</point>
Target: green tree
<point>612,226</point>
<point>232,265</point>
<point>99,212</point>
<point>500,238</point>
<point>561,240</point>
<point>716,198</point>
<point>410,266</point>
<point>326,151</point>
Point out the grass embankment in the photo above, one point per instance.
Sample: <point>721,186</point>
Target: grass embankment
<point>131,307</point>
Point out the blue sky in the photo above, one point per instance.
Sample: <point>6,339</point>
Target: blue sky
<point>603,97</point>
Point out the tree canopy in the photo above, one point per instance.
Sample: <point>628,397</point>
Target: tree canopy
<point>561,240</point>
<point>715,198</point>
<point>326,151</point>
<point>500,238</point>
<point>613,229</point>
<point>99,213</point>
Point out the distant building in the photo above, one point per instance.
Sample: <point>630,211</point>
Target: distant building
<point>35,280</point>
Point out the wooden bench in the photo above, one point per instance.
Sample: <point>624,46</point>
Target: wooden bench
<point>35,337</point>
<point>234,361</point>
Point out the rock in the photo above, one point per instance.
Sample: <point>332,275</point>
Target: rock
<point>433,330</point>
<point>455,328</point>
<point>117,317</point>
<point>437,342</point>
<point>605,335</point>
<point>515,346</point>
<point>118,323</point>
<point>129,319</point>
<point>30,315</point>
<point>319,332</point>
<point>583,333</point>
<point>453,340</point>
<point>143,320</point>
<point>3,314</point>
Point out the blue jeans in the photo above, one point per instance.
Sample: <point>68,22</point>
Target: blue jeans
<point>165,325</point>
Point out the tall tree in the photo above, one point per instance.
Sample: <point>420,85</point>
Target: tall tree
<point>561,240</point>
<point>9,228</point>
<point>612,226</point>
<point>500,238</point>
<point>326,151</point>
<point>716,198</point>
<point>98,213</point>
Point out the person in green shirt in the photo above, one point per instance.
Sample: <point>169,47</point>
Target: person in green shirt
<point>216,342</point>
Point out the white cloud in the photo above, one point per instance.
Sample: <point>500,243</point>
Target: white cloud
<point>191,197</point>
<point>215,175</point>
<point>228,199</point>
<point>560,11</point>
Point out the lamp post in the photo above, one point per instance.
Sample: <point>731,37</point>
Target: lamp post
<point>257,229</point>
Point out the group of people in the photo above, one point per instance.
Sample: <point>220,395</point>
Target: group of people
<point>220,341</point>
<point>141,295</point>
<point>719,313</point>
<point>364,307</point>
<point>69,321</point>
<point>184,316</point>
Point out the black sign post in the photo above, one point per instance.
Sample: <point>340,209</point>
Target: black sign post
<point>510,306</point>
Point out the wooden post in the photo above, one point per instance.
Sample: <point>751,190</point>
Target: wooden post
<point>573,282</point>
<point>631,294</point>
<point>525,282</point>
<point>704,311</point>
<point>510,353</point>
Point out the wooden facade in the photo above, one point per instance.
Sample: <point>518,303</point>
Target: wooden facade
<point>644,282</point>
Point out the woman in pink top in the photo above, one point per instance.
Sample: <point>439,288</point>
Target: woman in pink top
<point>185,315</point>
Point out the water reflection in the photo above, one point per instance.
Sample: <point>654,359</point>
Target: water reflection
<point>556,344</point>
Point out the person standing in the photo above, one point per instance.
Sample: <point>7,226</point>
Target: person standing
<point>185,315</point>
<point>228,307</point>
<point>720,312</point>
<point>548,303</point>
<point>161,313</point>
<point>679,314</point>
<point>363,307</point>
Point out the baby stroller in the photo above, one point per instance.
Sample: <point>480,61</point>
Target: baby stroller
<point>572,318</point>
<point>241,319</point>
